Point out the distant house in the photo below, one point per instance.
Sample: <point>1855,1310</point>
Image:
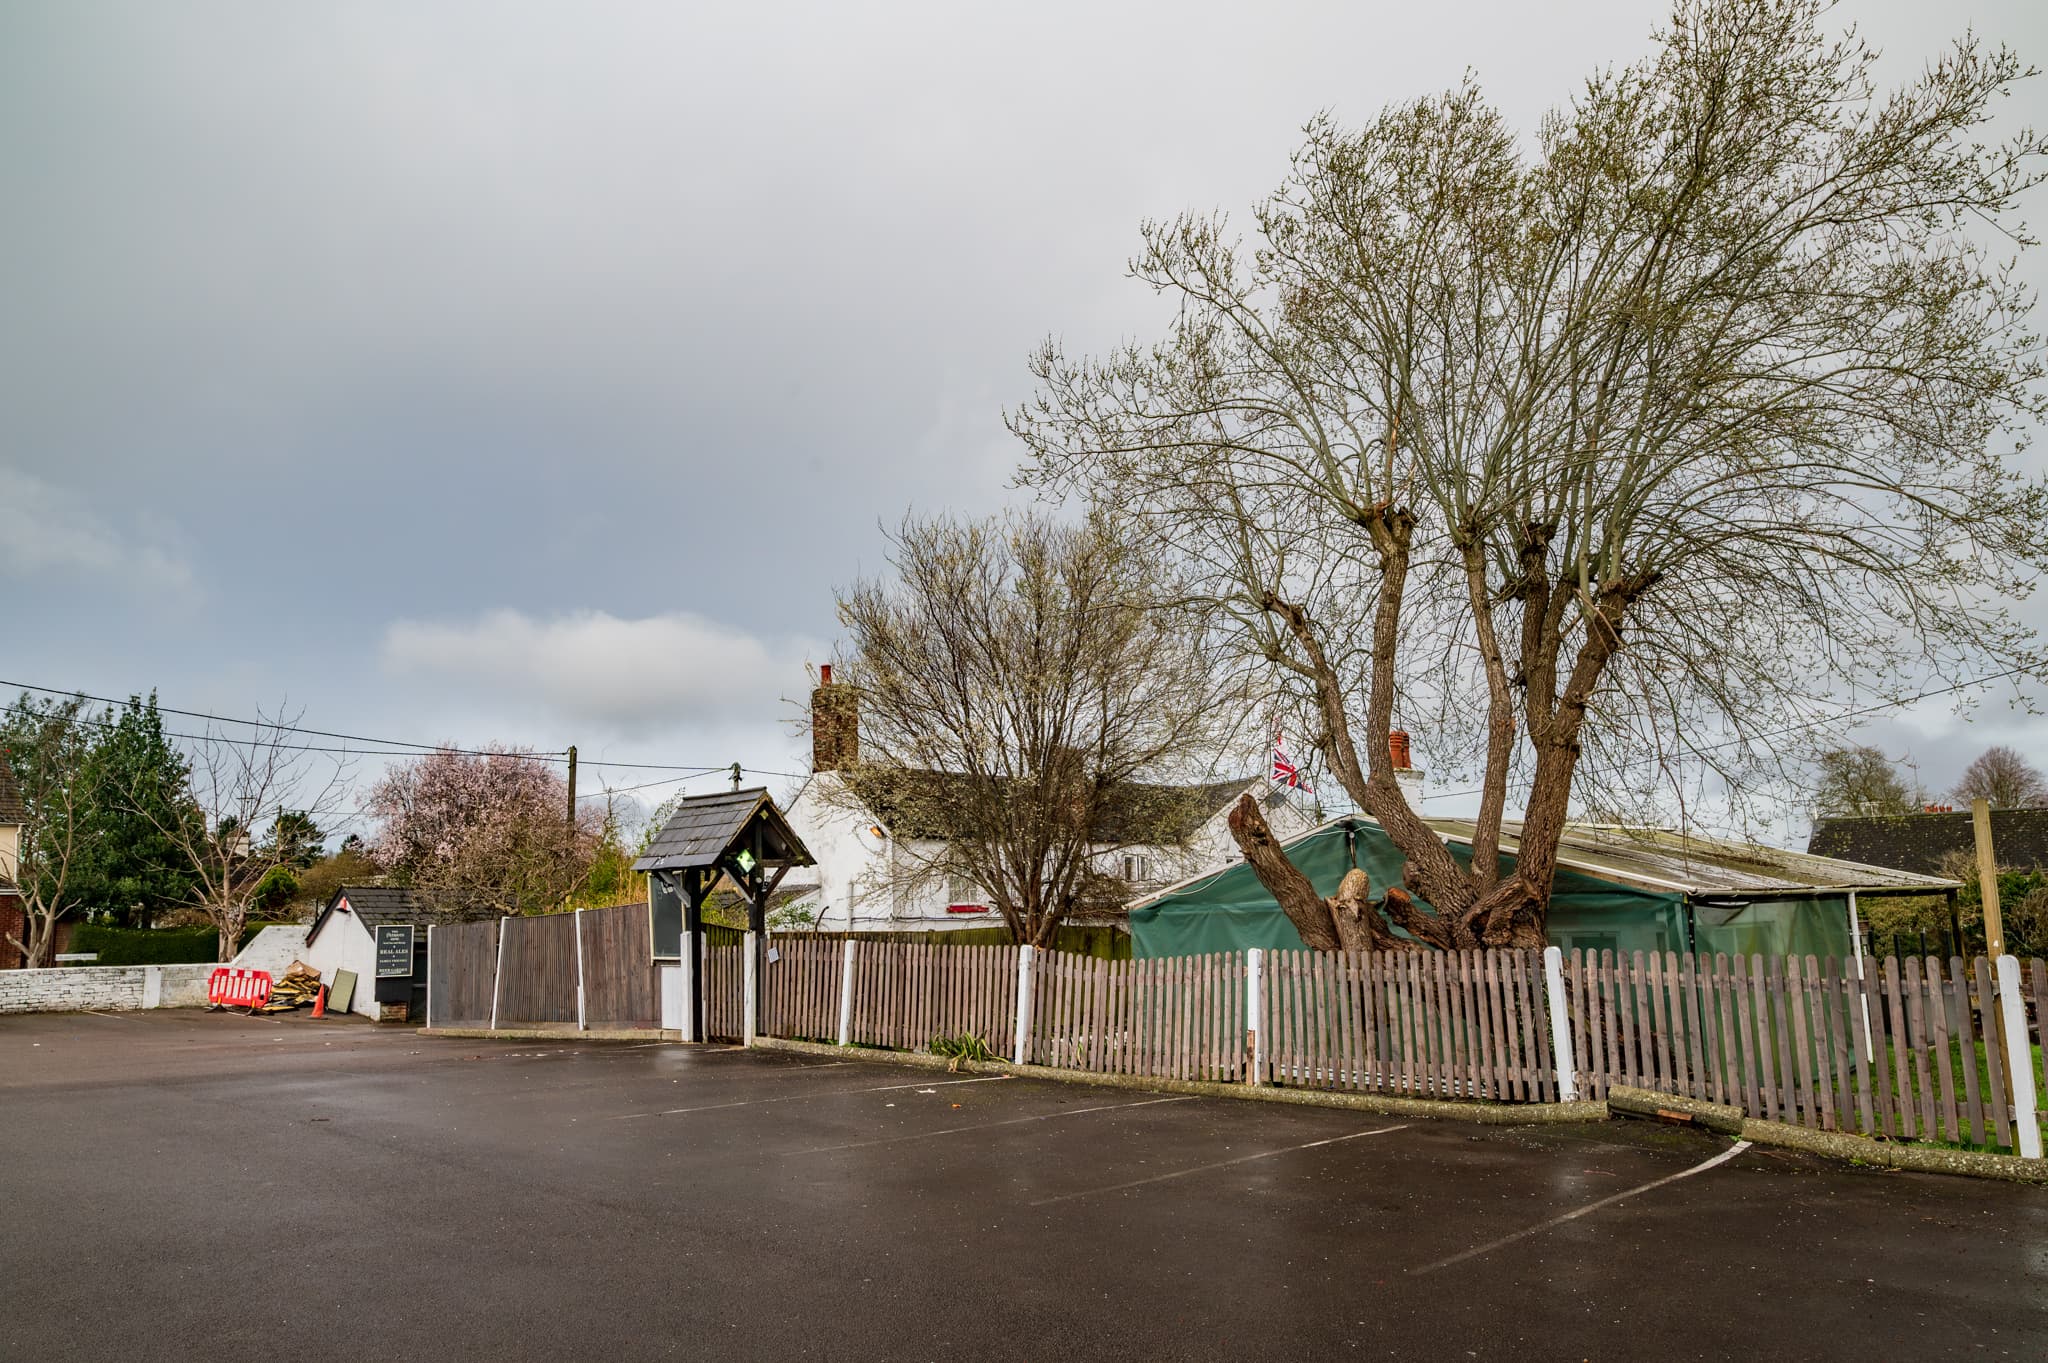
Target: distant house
<point>1932,843</point>
<point>13,914</point>
<point>344,934</point>
<point>871,832</point>
<point>868,832</point>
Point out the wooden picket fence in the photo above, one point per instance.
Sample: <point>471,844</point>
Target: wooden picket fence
<point>1466,1024</point>
<point>1905,1050</point>
<point>1911,1050</point>
<point>906,994</point>
<point>1179,1017</point>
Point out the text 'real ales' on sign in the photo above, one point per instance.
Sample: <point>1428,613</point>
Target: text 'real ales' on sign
<point>394,950</point>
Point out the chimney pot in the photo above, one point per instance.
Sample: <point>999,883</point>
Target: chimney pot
<point>824,674</point>
<point>1398,750</point>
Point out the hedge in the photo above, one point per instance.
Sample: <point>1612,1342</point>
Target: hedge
<point>152,946</point>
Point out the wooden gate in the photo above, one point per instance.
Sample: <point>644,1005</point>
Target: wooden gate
<point>724,992</point>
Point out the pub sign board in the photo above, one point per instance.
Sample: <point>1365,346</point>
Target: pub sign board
<point>394,951</point>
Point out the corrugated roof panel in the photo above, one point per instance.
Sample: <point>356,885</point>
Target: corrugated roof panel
<point>1662,858</point>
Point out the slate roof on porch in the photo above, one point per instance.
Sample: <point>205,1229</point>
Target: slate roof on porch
<point>704,827</point>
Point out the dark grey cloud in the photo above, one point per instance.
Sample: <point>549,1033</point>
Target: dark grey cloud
<point>333,333</point>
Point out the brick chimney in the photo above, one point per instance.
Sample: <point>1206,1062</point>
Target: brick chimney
<point>835,724</point>
<point>1402,758</point>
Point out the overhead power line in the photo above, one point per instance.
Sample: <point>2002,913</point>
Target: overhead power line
<point>380,747</point>
<point>282,727</point>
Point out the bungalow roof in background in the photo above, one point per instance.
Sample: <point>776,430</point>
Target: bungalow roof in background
<point>1923,842</point>
<point>1618,889</point>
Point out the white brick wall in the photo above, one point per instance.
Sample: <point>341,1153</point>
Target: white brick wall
<point>75,988</point>
<point>273,949</point>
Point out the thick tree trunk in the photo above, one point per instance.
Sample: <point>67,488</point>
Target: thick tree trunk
<point>1292,890</point>
<point>42,936</point>
<point>1346,921</point>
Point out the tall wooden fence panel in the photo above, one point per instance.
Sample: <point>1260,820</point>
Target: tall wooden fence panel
<point>1467,1024</point>
<point>462,973</point>
<point>1902,1050</point>
<point>618,967</point>
<point>537,971</point>
<point>800,988</point>
<point>1178,1017</point>
<point>907,994</point>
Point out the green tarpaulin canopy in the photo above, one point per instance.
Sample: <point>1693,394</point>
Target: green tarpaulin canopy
<point>1231,910</point>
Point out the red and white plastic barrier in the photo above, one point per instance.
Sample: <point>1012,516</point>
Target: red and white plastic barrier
<point>228,987</point>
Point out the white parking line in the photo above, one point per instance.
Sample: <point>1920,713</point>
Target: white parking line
<point>1219,1164</point>
<point>799,1097</point>
<point>984,1126</point>
<point>1730,1153</point>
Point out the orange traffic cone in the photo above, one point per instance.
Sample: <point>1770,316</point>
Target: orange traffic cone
<point>320,1003</point>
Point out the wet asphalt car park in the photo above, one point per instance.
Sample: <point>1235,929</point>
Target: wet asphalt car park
<point>181,1185</point>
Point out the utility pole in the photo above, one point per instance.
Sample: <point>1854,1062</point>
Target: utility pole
<point>572,785</point>
<point>1987,879</point>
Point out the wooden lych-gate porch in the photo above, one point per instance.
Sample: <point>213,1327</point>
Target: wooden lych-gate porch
<point>651,966</point>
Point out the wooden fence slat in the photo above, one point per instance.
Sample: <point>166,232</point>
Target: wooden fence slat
<point>1832,1096</point>
<point>1540,1061</point>
<point>1919,1040</point>
<point>1990,1029</point>
<point>1744,991</point>
<point>1714,1038</point>
<point>1873,1067</point>
<point>1809,1032</point>
<point>1856,1070</point>
<point>1895,1012</point>
<point>1963,1032</point>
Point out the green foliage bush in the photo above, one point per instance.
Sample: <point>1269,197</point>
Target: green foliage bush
<point>152,946</point>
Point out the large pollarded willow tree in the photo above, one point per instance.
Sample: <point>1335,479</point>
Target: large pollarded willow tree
<point>1692,417</point>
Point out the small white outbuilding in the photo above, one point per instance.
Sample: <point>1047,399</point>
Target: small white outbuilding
<point>344,937</point>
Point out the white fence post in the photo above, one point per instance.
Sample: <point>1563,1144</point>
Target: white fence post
<point>580,1026</point>
<point>430,975</point>
<point>1560,1026</point>
<point>691,964</point>
<point>498,974</point>
<point>1254,981</point>
<point>2019,1056</point>
<point>750,990</point>
<point>846,996</point>
<point>1020,1051</point>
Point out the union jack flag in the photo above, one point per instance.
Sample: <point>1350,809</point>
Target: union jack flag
<point>1285,772</point>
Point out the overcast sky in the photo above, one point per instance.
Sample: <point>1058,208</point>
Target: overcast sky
<point>535,372</point>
